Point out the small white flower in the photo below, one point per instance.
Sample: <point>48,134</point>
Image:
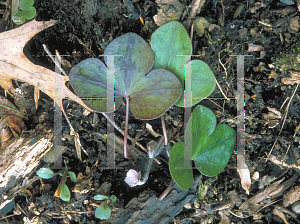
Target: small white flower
<point>133,178</point>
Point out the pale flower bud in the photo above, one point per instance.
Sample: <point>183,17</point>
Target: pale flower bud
<point>133,178</point>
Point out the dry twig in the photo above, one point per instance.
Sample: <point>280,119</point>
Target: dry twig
<point>193,11</point>
<point>287,110</point>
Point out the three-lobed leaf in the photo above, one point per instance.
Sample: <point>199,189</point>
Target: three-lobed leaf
<point>150,94</point>
<point>27,11</point>
<point>172,46</point>
<point>211,147</point>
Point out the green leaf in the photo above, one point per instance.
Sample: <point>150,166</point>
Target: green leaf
<point>154,94</point>
<point>72,176</point>
<point>182,176</point>
<point>202,124</point>
<point>102,213</point>
<point>213,156</point>
<point>100,197</point>
<point>150,95</point>
<point>168,43</point>
<point>211,147</point>
<point>25,4</point>
<point>62,182</point>
<point>88,78</point>
<point>113,199</point>
<point>45,173</point>
<point>65,193</point>
<point>26,11</point>
<point>203,82</point>
<point>61,172</point>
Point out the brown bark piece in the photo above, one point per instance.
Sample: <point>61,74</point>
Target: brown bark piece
<point>148,209</point>
<point>19,159</point>
<point>18,162</point>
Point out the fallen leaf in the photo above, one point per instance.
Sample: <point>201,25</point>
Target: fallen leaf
<point>15,65</point>
<point>253,47</point>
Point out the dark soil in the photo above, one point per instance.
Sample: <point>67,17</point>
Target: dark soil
<point>83,31</point>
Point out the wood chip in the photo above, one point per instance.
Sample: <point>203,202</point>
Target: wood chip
<point>292,196</point>
<point>150,129</point>
<point>294,78</point>
<point>244,173</point>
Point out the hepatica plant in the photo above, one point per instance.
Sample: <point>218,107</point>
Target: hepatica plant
<point>150,80</point>
<point>150,94</point>
<point>25,11</point>
<point>62,190</point>
<point>211,148</point>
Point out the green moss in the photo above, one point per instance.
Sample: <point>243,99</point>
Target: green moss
<point>203,188</point>
<point>289,58</point>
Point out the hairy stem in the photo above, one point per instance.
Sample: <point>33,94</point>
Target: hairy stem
<point>133,143</point>
<point>164,129</point>
<point>148,172</point>
<point>128,137</point>
<point>122,132</point>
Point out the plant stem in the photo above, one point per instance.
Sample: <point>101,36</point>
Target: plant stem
<point>164,128</point>
<point>120,130</point>
<point>148,171</point>
<point>164,194</point>
<point>154,147</point>
<point>126,126</point>
<point>134,142</point>
<point>158,146</point>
